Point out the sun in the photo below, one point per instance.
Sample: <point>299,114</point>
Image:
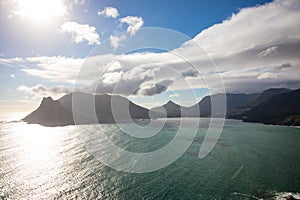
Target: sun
<point>40,10</point>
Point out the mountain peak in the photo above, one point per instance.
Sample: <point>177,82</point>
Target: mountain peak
<point>171,103</point>
<point>60,112</point>
<point>46,99</point>
<point>50,113</point>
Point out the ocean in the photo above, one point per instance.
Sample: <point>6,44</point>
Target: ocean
<point>249,161</point>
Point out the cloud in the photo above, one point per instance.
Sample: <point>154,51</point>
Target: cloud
<point>10,61</point>
<point>114,66</point>
<point>62,69</point>
<point>42,91</point>
<point>190,73</point>
<point>266,25</point>
<point>268,51</point>
<point>285,66</point>
<point>81,32</point>
<point>116,41</point>
<point>111,78</point>
<point>156,88</point>
<point>274,26</point>
<point>271,29</point>
<point>54,68</point>
<point>125,82</point>
<point>174,95</point>
<point>267,75</point>
<point>12,76</point>
<point>134,23</point>
<point>109,12</point>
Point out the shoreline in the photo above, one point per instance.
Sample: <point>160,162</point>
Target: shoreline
<point>169,118</point>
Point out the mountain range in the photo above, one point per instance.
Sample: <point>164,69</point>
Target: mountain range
<point>278,106</point>
<point>279,109</point>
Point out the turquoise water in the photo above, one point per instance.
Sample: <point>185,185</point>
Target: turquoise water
<point>250,161</point>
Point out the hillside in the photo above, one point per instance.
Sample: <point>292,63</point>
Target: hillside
<point>233,101</point>
<point>266,94</point>
<point>281,109</point>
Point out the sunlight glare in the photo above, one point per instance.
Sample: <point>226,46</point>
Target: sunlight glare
<point>40,10</point>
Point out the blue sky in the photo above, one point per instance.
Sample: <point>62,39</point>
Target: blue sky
<point>188,18</point>
<point>38,56</point>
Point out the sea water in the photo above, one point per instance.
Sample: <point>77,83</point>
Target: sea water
<point>249,161</point>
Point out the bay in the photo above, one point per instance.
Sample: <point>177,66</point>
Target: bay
<point>249,161</point>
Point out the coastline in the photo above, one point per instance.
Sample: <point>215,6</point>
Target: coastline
<point>169,118</point>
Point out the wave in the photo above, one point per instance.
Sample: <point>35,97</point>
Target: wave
<point>246,195</point>
<point>273,196</point>
<point>285,195</point>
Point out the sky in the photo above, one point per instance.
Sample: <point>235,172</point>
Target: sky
<point>201,47</point>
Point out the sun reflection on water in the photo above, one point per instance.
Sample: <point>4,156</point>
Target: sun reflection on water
<point>37,159</point>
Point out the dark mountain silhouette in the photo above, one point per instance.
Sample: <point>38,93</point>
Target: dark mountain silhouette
<point>280,109</point>
<point>273,106</point>
<point>170,109</point>
<point>103,106</point>
<point>266,94</point>
<point>233,101</point>
<point>50,113</point>
<point>59,112</point>
<point>203,107</point>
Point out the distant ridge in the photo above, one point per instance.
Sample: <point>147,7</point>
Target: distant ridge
<point>273,106</point>
<point>233,101</point>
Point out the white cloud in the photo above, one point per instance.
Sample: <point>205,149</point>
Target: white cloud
<point>268,51</point>
<point>116,41</point>
<point>114,66</point>
<point>150,89</point>
<point>267,75</point>
<point>112,78</point>
<point>174,95</point>
<point>12,76</point>
<point>10,61</point>
<point>126,81</point>
<point>42,91</point>
<point>54,68</point>
<point>109,12</point>
<point>274,26</point>
<point>63,69</point>
<point>134,23</point>
<point>264,26</point>
<point>81,32</point>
